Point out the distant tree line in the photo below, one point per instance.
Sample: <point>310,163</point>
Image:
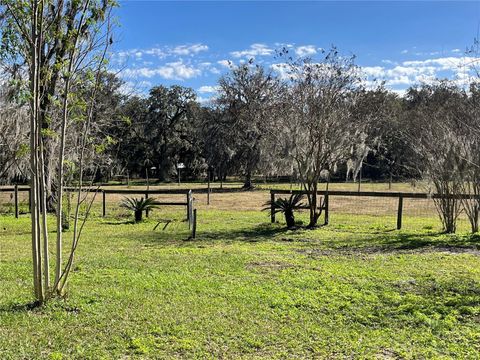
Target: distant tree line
<point>317,122</point>
<point>235,134</point>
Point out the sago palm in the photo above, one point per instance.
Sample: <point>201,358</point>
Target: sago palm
<point>287,207</point>
<point>138,206</point>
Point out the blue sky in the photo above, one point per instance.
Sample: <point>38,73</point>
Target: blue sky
<point>188,43</point>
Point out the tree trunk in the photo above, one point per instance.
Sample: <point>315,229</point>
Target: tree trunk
<point>43,197</point>
<point>163,170</point>
<point>60,212</point>
<point>34,157</point>
<point>474,221</point>
<point>313,206</point>
<point>290,219</point>
<point>248,181</point>
<point>313,211</point>
<point>50,190</point>
<point>138,215</point>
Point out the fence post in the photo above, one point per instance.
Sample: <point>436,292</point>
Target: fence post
<point>16,200</point>
<point>104,204</point>
<point>194,227</point>
<point>192,206</point>
<point>189,205</point>
<point>191,212</point>
<point>326,209</point>
<point>146,211</point>
<point>272,207</point>
<point>399,213</point>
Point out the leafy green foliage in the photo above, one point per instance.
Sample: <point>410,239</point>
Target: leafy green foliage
<point>248,96</point>
<point>159,131</point>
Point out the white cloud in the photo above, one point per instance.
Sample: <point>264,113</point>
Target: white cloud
<point>208,89</point>
<point>423,71</point>
<point>399,92</point>
<point>214,70</point>
<point>390,62</point>
<point>445,63</point>
<point>207,66</point>
<point>155,51</point>
<point>138,54</point>
<point>306,50</point>
<point>283,45</point>
<point>404,52</point>
<point>179,63</point>
<point>253,51</point>
<point>161,52</point>
<point>374,71</point>
<point>178,70</point>
<point>171,71</point>
<point>135,87</point>
<point>205,100</point>
<point>189,49</point>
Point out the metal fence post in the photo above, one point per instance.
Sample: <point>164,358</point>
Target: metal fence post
<point>194,227</point>
<point>189,205</point>
<point>399,213</point>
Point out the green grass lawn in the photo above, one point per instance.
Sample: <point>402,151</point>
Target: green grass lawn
<point>248,289</point>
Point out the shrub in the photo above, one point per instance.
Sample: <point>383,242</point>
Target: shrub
<point>287,207</point>
<point>138,206</point>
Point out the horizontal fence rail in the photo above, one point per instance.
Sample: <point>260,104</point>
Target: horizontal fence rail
<point>387,194</point>
<point>378,194</point>
<point>12,189</point>
<point>135,191</point>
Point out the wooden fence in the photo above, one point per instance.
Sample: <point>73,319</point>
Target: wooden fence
<point>188,203</point>
<point>378,194</point>
<point>16,190</point>
<point>191,212</point>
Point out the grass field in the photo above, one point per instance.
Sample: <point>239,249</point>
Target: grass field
<point>246,288</point>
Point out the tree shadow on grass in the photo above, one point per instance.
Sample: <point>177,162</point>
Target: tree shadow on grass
<point>18,308</point>
<point>182,237</point>
<point>119,222</point>
<point>259,232</point>
<point>351,241</point>
<point>400,243</point>
<point>378,241</point>
<point>440,241</point>
<point>53,304</point>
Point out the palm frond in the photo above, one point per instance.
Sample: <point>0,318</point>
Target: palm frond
<point>285,204</point>
<point>141,204</point>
